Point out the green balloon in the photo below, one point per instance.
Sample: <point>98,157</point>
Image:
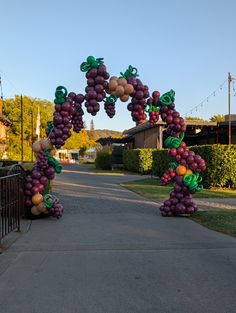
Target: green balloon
<point>90,59</point>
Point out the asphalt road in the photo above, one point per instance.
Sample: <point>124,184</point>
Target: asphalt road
<point>113,253</point>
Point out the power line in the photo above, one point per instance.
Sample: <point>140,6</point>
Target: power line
<point>213,94</point>
<point>10,82</point>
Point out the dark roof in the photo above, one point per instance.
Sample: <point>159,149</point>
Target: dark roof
<point>111,140</point>
<point>144,126</point>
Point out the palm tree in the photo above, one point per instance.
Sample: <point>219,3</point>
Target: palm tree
<point>217,118</point>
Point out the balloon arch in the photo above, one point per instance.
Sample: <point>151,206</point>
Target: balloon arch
<point>68,114</point>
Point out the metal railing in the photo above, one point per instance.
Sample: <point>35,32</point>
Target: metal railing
<point>11,201</point>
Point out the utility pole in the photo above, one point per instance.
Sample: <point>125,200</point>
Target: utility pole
<point>32,134</point>
<point>22,129</point>
<point>229,115</point>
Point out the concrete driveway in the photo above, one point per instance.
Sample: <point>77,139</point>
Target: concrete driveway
<point>113,253</point>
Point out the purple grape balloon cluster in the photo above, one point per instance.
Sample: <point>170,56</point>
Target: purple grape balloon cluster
<point>175,123</point>
<point>95,89</point>
<point>77,116</point>
<point>110,109</point>
<point>138,102</point>
<point>62,123</point>
<point>57,209</point>
<point>180,201</point>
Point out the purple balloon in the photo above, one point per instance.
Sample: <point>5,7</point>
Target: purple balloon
<point>99,80</point>
<point>80,98</point>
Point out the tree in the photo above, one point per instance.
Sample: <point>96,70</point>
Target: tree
<point>12,111</point>
<point>78,141</point>
<point>217,118</point>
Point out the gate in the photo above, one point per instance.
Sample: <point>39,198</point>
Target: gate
<point>11,198</point>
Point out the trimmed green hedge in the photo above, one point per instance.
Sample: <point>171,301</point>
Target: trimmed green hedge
<point>220,162</point>
<point>221,165</point>
<point>138,160</point>
<point>161,160</point>
<point>103,160</point>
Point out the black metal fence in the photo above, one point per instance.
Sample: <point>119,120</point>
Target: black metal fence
<point>11,199</point>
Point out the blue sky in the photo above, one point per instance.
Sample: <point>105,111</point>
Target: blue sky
<point>188,46</point>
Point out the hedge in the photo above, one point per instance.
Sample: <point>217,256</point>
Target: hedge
<point>161,160</point>
<point>221,165</point>
<point>220,162</point>
<point>138,160</point>
<point>103,160</point>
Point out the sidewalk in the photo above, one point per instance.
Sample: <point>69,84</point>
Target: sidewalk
<point>9,239</point>
<point>216,203</point>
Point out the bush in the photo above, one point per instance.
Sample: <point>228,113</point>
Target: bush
<point>103,160</point>
<point>161,160</point>
<point>221,165</point>
<point>220,161</point>
<point>138,160</point>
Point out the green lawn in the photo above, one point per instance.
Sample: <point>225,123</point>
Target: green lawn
<point>223,221</point>
<point>150,188</point>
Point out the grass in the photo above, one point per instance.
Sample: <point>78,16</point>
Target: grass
<point>150,188</point>
<point>223,221</point>
<point>92,167</point>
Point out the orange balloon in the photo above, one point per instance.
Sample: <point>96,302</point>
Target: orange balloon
<point>124,98</point>
<point>129,89</point>
<point>37,198</point>
<point>112,85</point>
<point>120,91</point>
<point>181,170</point>
<point>122,82</point>
<point>189,171</point>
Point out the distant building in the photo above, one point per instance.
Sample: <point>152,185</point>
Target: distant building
<point>4,126</point>
<point>197,133</point>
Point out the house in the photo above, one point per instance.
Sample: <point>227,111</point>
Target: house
<point>197,133</point>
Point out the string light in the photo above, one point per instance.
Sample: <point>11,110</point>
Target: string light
<point>207,98</point>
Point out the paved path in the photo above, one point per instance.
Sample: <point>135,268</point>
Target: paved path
<point>216,203</point>
<point>113,253</point>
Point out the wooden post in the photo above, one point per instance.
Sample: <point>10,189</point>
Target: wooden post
<point>22,129</point>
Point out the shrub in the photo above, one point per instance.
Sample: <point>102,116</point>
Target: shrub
<point>161,160</point>
<point>221,165</point>
<point>220,161</point>
<point>103,160</point>
<point>138,160</point>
